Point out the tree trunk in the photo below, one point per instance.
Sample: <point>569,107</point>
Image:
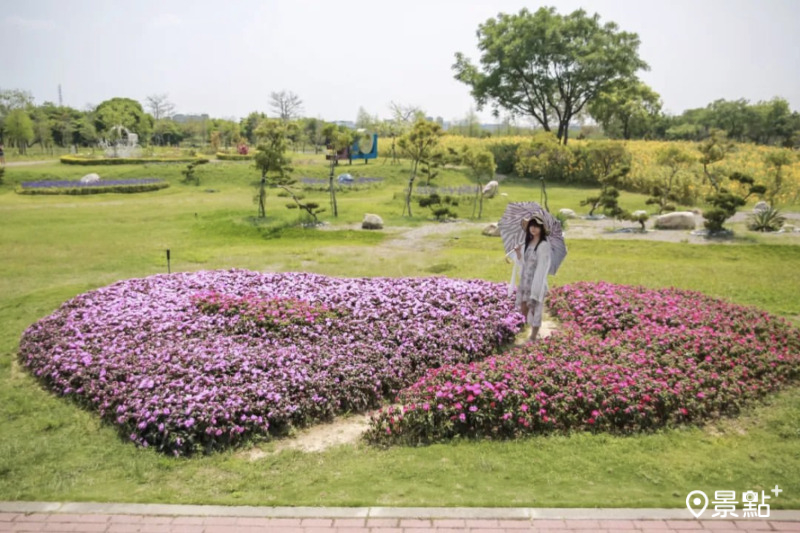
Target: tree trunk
<point>332,189</point>
<point>262,193</point>
<point>410,188</point>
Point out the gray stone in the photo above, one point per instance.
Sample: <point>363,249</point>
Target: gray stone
<point>90,178</point>
<point>490,189</point>
<point>372,222</point>
<point>569,213</point>
<point>676,220</point>
<point>760,207</point>
<point>491,230</point>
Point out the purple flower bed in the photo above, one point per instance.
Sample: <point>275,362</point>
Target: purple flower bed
<point>462,190</point>
<point>319,182</point>
<point>199,361</point>
<point>67,184</point>
<point>627,359</point>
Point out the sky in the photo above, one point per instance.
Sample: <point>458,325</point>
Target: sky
<point>225,58</point>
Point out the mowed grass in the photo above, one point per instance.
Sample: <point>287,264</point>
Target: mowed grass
<point>57,247</point>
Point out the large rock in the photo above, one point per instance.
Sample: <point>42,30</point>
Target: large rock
<point>568,213</point>
<point>491,230</point>
<point>490,189</point>
<point>676,220</point>
<point>760,207</point>
<point>90,178</point>
<point>372,222</point>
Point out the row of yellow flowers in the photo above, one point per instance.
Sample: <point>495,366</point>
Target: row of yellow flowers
<point>645,172</point>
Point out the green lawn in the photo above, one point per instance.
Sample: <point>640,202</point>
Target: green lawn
<point>57,247</point>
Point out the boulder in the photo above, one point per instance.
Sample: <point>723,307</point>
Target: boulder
<point>490,189</point>
<point>491,230</point>
<point>90,178</point>
<point>760,207</point>
<point>568,213</point>
<point>676,220</point>
<point>372,222</point>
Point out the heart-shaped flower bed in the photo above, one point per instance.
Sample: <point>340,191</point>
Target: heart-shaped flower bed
<point>626,359</point>
<point>198,361</point>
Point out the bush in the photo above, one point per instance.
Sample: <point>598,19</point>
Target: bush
<point>99,187</point>
<point>766,220</point>
<point>234,157</point>
<point>78,160</point>
<point>505,155</point>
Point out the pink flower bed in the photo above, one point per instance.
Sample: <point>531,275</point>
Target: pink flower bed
<point>627,359</point>
<point>199,361</point>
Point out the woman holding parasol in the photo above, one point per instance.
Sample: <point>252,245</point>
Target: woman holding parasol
<point>535,239</point>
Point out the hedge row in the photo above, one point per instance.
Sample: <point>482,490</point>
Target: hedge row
<point>75,160</point>
<point>234,157</point>
<point>78,191</point>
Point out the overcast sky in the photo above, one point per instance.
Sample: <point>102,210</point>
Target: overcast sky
<point>224,58</point>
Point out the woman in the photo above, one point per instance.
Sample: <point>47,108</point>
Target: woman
<point>535,259</point>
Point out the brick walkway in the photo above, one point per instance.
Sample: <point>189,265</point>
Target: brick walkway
<point>122,518</point>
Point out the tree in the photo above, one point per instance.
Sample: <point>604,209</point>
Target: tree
<point>271,159</point>
<point>249,124</point>
<point>19,129</point>
<point>160,107</point>
<point>675,162</point>
<point>366,121</point>
<point>403,117</point>
<point>123,112</point>
<point>610,162</point>
<point>189,175</point>
<point>724,202</point>
<point>626,109</point>
<point>418,145</point>
<point>548,66</point>
<point>338,138</point>
<point>11,99</point>
<point>286,105</point>
<point>481,162</point>
<point>776,161</point>
<point>713,150</point>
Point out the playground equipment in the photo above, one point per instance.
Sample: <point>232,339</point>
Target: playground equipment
<point>365,147</point>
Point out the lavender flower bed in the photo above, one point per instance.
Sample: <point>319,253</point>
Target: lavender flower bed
<point>627,359</point>
<point>321,182</point>
<point>462,190</point>
<point>67,184</point>
<point>199,361</point>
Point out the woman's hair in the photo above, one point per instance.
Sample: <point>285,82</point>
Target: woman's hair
<point>528,237</point>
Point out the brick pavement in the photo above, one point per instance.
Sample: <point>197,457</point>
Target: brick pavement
<point>18,517</point>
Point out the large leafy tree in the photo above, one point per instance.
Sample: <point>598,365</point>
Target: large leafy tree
<point>548,66</point>
<point>123,112</point>
<point>19,129</point>
<point>626,109</point>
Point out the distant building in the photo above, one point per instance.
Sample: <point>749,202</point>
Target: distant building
<point>189,118</point>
